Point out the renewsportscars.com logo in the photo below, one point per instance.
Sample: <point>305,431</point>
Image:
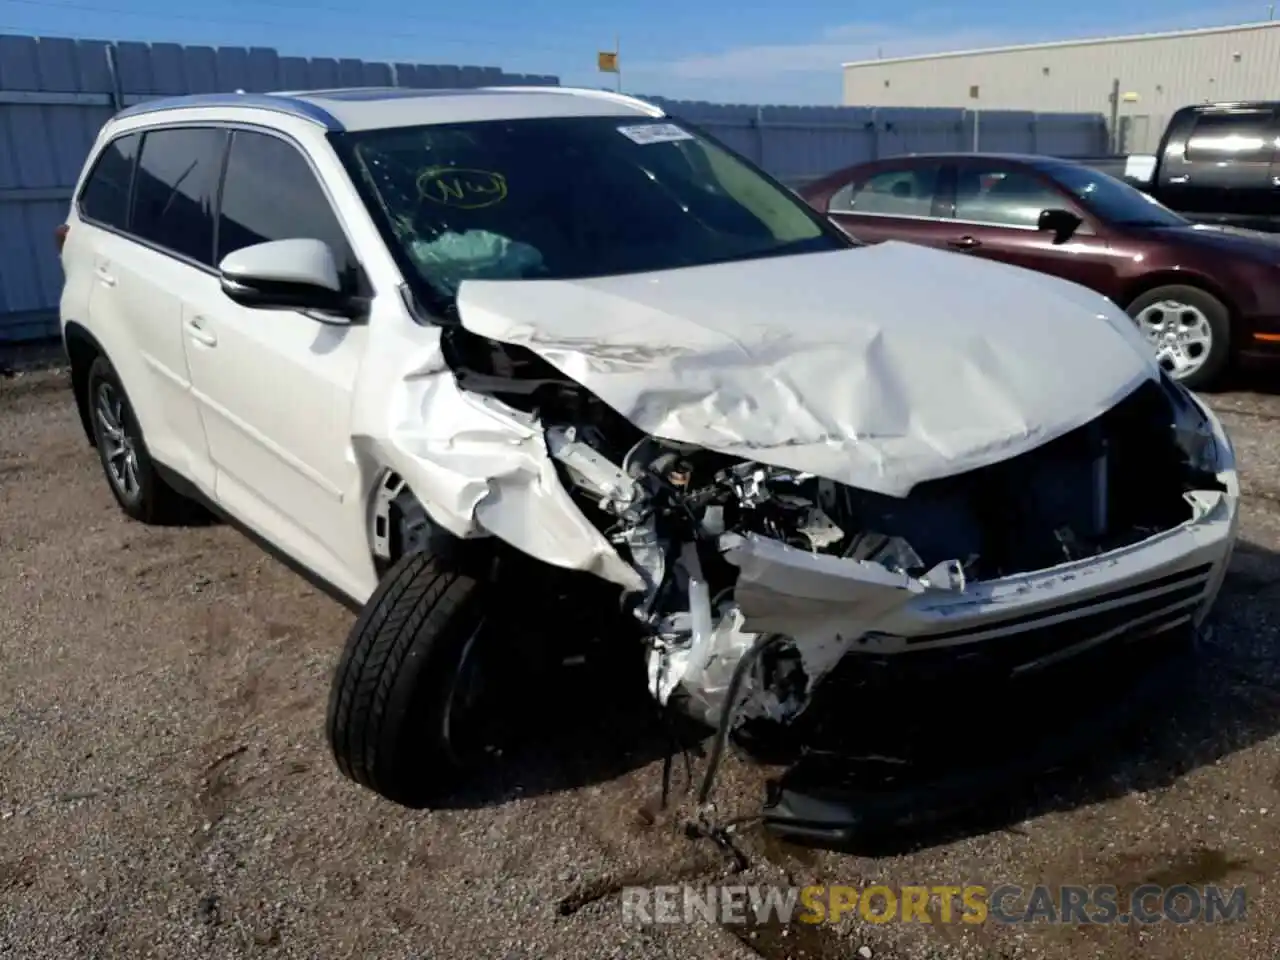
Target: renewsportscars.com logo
<point>969,904</point>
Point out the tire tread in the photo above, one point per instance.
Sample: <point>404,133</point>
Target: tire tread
<point>395,666</point>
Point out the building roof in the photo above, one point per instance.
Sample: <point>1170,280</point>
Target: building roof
<point>367,108</point>
<point>1130,38</point>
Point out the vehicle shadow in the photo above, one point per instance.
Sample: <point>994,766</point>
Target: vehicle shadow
<point>596,722</point>
<point>573,725</point>
<point>1256,376</point>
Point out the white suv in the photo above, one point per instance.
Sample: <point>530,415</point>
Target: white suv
<point>505,362</point>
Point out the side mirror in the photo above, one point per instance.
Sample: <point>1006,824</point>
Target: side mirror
<point>286,275</point>
<point>1061,223</point>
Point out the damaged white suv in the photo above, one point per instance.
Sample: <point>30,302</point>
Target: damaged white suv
<point>548,357</point>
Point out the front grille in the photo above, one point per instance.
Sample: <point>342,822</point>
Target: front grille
<point>930,700</point>
<point>1182,580</point>
<point>1128,612</point>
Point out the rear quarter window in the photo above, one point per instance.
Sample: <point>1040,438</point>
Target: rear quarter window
<point>104,198</point>
<point>1239,135</point>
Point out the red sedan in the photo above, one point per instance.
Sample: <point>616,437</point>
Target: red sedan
<point>1204,295</point>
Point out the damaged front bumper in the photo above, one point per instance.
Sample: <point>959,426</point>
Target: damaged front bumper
<point>829,608</point>
<point>878,652</point>
<point>829,604</point>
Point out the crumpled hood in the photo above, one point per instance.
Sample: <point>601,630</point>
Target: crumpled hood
<point>879,367</point>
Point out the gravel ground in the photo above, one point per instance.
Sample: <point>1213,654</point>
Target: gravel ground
<point>166,791</point>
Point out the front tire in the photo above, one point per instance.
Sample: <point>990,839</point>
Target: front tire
<point>131,473</point>
<point>1190,330</point>
<point>400,721</point>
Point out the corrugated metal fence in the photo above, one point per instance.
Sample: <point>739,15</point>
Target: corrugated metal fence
<point>55,94</point>
<point>800,144</point>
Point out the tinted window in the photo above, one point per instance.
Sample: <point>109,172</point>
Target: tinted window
<point>105,197</point>
<point>572,197</point>
<point>175,189</point>
<point>903,193</point>
<point>1239,135</point>
<point>1007,197</point>
<point>271,193</point>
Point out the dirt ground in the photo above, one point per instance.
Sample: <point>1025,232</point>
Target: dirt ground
<point>165,789</point>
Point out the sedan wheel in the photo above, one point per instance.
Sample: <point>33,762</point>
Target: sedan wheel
<point>1189,330</point>
<point>1180,334</point>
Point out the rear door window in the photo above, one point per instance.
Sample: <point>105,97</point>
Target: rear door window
<point>105,197</point>
<point>1242,136</point>
<point>900,192</point>
<point>176,188</point>
<point>271,193</point>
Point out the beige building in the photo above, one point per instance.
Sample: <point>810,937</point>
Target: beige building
<point>1153,75</point>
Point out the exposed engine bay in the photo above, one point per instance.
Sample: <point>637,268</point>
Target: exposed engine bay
<point>678,513</point>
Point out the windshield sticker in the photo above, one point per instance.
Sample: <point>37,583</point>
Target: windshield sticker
<point>462,187</point>
<point>646,133</point>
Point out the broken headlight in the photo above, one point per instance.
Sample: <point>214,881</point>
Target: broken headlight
<point>1193,429</point>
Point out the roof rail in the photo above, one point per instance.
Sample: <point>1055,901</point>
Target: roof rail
<point>1234,105</point>
<point>622,98</point>
<point>291,106</point>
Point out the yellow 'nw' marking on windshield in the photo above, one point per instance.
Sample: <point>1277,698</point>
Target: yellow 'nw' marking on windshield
<point>462,187</point>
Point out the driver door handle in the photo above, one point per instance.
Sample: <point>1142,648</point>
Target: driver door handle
<point>200,334</point>
<point>966,242</point>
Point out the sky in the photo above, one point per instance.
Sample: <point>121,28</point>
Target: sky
<point>781,53</point>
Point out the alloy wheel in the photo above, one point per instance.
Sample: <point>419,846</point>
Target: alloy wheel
<point>118,448</point>
<point>1180,333</point>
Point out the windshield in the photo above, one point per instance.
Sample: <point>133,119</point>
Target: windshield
<point>1112,200</point>
<point>571,198</point>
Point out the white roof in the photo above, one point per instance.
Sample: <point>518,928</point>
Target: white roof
<point>371,108</point>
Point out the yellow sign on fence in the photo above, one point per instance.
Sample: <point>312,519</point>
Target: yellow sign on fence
<point>607,60</point>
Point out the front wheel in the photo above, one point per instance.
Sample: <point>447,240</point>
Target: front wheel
<point>1190,330</point>
<point>407,716</point>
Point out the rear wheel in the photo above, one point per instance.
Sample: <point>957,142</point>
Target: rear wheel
<point>1190,330</point>
<point>130,471</point>
<point>408,709</point>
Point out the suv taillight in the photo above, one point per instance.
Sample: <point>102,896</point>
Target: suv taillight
<point>60,236</point>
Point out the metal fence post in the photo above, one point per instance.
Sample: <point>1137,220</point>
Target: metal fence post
<point>113,70</point>
<point>1114,100</point>
<point>759,122</point>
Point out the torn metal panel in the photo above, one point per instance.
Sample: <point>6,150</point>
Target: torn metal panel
<point>781,587</point>
<point>477,465</point>
<point>879,367</point>
<point>830,608</point>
